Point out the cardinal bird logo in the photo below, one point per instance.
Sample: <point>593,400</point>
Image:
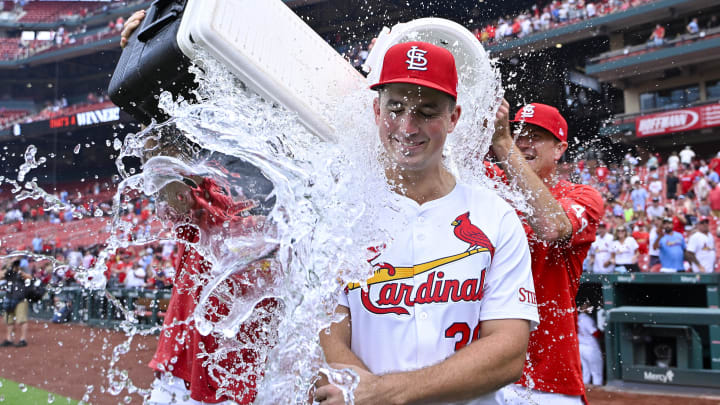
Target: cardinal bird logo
<point>467,232</point>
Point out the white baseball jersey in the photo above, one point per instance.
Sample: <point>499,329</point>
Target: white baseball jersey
<point>703,245</point>
<point>601,249</point>
<point>625,251</point>
<point>464,259</point>
<point>653,235</point>
<point>655,211</point>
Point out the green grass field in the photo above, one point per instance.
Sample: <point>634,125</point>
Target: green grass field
<point>12,393</point>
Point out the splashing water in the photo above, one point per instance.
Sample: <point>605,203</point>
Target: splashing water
<point>289,217</point>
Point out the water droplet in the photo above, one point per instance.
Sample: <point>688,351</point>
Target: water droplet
<point>77,149</point>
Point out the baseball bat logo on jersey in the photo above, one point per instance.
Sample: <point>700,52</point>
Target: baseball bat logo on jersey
<point>395,296</point>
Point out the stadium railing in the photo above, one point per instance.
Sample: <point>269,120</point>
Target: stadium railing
<point>95,308</point>
<point>650,47</point>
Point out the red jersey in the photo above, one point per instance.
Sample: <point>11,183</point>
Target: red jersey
<point>643,240</point>
<point>678,226</point>
<point>715,165</point>
<point>659,32</point>
<point>601,172</point>
<point>553,353</point>
<point>686,182</point>
<point>715,198</point>
<point>181,348</point>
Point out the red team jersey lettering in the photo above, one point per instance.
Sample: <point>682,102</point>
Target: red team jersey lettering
<point>435,289</point>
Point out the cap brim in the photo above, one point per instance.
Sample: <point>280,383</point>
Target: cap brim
<point>538,125</point>
<point>419,82</point>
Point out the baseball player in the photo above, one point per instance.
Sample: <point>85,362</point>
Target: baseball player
<point>601,251</point>
<point>702,245</point>
<point>560,231</point>
<point>447,314</point>
<point>181,375</point>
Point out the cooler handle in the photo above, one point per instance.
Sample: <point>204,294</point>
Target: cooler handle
<point>151,26</point>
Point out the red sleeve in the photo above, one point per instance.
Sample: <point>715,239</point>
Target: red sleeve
<point>583,206</point>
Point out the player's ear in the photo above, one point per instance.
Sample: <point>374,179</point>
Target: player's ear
<point>560,148</point>
<point>454,118</point>
<point>376,110</point>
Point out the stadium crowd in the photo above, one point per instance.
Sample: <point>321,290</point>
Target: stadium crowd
<point>147,267</point>
<point>675,203</point>
<point>547,15</point>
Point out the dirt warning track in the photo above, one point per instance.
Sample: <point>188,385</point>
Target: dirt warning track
<point>67,359</point>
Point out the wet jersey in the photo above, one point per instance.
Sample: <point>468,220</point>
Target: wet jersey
<point>181,349</point>
<point>553,356</point>
<point>462,260</point>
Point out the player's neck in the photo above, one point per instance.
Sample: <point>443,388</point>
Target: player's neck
<point>422,186</point>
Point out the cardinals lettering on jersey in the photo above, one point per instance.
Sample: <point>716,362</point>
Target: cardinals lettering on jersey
<point>395,296</point>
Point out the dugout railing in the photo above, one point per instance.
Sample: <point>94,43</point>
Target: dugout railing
<point>661,328</point>
<point>98,308</point>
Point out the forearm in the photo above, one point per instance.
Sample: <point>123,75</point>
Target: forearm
<point>690,256</point>
<point>480,368</point>
<point>548,220</point>
<point>336,344</point>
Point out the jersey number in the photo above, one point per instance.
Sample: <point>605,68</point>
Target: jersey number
<point>580,214</point>
<point>463,329</point>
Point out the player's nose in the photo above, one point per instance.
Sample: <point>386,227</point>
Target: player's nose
<point>408,125</point>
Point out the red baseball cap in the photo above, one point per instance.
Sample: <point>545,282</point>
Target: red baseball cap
<point>704,218</point>
<point>544,116</point>
<point>420,63</point>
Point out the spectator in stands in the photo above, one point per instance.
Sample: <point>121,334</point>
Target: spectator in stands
<point>671,183</point>
<point>673,162</point>
<point>15,305</point>
<point>600,253</point>
<point>590,10</point>
<point>642,237</point>
<point>671,246</point>
<point>614,187</point>
<point>639,196</point>
<point>628,212</point>
<point>692,27</point>
<point>655,210</point>
<point>135,278</point>
<point>686,156</point>
<point>37,243</point>
<point>658,35</point>
<point>678,218</point>
<point>702,244</point>
<point>714,198</point>
<point>703,208</point>
<point>653,162</point>
<point>654,233</point>
<point>624,253</point>
<point>655,186</point>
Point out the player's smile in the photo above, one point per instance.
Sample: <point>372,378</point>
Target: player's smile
<point>407,144</point>
<point>413,123</point>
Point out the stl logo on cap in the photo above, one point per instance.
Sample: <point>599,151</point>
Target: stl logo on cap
<point>416,59</point>
<point>528,111</point>
<point>409,63</point>
<point>544,116</point>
